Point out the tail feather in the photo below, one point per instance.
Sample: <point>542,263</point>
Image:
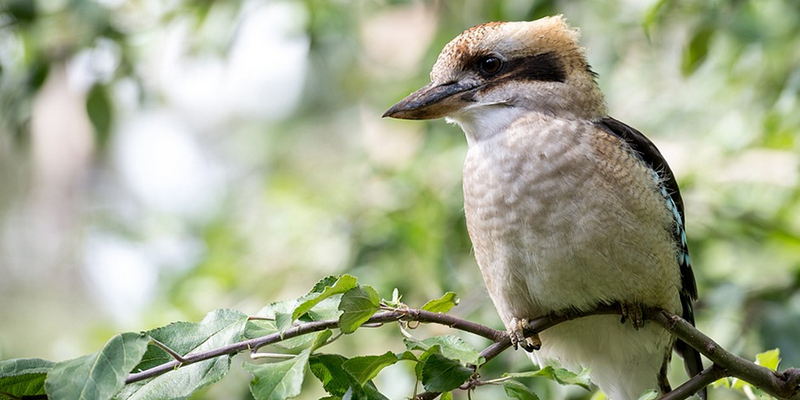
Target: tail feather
<point>691,357</point>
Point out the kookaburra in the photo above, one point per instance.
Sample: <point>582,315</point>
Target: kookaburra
<point>567,208</point>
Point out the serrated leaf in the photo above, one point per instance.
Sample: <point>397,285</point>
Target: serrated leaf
<point>560,375</point>
<point>517,390</point>
<point>413,343</point>
<point>23,376</point>
<point>650,394</point>
<point>328,369</point>
<point>327,309</point>
<point>100,375</point>
<point>338,382</point>
<point>327,281</point>
<point>218,328</point>
<point>454,347</point>
<point>769,359</point>
<point>342,285</point>
<point>278,307</point>
<point>367,392</point>
<point>186,337</point>
<point>357,306</point>
<point>441,374</point>
<point>365,368</point>
<point>442,304</point>
<point>279,380</point>
<point>407,356</point>
<point>450,346</point>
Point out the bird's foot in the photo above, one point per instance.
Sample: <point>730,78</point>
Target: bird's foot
<point>516,333</point>
<point>633,312</point>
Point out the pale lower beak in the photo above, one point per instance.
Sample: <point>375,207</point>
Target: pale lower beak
<point>433,101</point>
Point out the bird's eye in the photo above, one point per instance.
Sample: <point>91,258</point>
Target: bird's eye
<point>490,65</point>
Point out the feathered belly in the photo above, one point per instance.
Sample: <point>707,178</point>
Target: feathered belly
<point>551,235</point>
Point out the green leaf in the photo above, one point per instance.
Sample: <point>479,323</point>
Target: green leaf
<point>517,390</point>
<point>219,328</point>
<point>598,395</point>
<point>278,307</point>
<point>696,50</point>
<point>769,359</point>
<point>450,346</point>
<point>367,392</point>
<point>328,369</point>
<point>23,377</point>
<point>365,368</point>
<point>280,312</point>
<point>98,107</point>
<point>283,321</point>
<point>446,396</point>
<point>650,394</point>
<point>358,305</point>
<point>722,382</point>
<point>441,374</point>
<point>407,356</point>
<point>283,380</point>
<point>99,375</point>
<point>456,348</point>
<point>323,290</point>
<point>280,380</point>
<point>442,304</point>
<point>320,339</point>
<point>652,16</point>
<point>560,375</point>
<point>395,301</point>
<point>327,309</point>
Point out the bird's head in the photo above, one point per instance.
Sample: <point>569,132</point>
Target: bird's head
<point>495,70</point>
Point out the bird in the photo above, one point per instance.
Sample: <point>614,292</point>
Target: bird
<point>567,208</point>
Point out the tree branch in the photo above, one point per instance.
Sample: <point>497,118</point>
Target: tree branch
<point>783,385</point>
<point>316,326</point>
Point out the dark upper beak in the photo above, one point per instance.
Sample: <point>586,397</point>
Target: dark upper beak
<point>432,101</point>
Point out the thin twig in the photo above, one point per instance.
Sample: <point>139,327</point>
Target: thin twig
<point>695,383</point>
<point>171,352</point>
<point>274,356</point>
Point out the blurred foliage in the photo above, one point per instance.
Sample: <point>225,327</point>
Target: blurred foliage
<point>323,185</point>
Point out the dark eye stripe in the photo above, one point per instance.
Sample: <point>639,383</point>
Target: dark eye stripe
<point>541,67</point>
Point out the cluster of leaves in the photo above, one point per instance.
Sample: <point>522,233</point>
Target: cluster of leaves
<point>201,354</point>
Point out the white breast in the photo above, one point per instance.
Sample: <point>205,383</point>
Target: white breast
<point>561,216</point>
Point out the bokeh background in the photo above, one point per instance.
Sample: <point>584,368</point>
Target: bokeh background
<point>161,159</point>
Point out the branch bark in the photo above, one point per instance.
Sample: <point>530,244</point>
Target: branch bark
<point>783,385</point>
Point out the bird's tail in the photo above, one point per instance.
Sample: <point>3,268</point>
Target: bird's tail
<point>691,357</point>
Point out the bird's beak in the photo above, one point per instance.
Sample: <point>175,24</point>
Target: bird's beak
<point>433,101</point>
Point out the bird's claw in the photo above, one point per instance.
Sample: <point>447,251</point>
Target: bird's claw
<point>516,334</point>
<point>633,312</point>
